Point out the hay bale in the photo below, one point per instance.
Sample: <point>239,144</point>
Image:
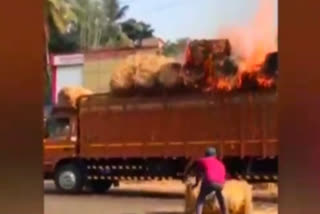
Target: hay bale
<point>254,81</point>
<point>190,201</point>
<point>122,77</point>
<point>138,71</point>
<point>238,197</point>
<point>271,65</point>
<point>170,75</point>
<point>205,59</point>
<point>228,67</point>
<point>67,96</point>
<point>193,76</point>
<point>201,50</point>
<point>248,81</point>
<point>147,69</point>
<point>227,83</point>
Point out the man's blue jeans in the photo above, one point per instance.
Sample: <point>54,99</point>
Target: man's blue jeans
<point>206,189</point>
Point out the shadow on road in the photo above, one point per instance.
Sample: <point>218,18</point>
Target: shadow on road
<point>149,194</point>
<point>162,212</point>
<point>129,193</point>
<point>265,199</point>
<point>125,194</point>
<point>165,213</point>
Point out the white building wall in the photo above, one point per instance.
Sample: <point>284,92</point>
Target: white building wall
<point>69,76</point>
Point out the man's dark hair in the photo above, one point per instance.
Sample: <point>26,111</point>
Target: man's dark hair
<point>211,151</point>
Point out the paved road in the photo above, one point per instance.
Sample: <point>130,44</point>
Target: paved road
<point>128,199</point>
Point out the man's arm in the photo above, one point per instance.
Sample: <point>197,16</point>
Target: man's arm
<point>198,178</point>
<point>190,166</point>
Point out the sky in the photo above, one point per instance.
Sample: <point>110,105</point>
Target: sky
<point>196,19</point>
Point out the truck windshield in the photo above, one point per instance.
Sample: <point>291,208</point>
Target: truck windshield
<point>58,128</point>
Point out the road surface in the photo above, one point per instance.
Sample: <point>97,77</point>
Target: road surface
<point>146,198</point>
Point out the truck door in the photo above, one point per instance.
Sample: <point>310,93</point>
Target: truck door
<point>60,141</point>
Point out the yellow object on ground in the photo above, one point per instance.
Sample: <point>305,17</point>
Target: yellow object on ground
<point>237,194</point>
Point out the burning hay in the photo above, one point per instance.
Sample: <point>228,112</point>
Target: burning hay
<point>217,69</point>
<point>210,65</point>
<point>201,50</point>
<point>270,66</point>
<point>68,96</point>
<point>207,58</point>
<point>255,49</point>
<point>238,196</point>
<point>245,60</point>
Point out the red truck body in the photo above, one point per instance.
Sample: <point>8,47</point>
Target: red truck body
<point>110,139</point>
<point>181,126</point>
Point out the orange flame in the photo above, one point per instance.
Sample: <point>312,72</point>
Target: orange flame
<point>265,82</point>
<point>224,84</point>
<point>252,43</point>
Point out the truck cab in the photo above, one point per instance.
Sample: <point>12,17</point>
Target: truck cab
<point>60,138</point>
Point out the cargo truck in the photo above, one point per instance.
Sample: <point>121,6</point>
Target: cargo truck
<point>107,139</point>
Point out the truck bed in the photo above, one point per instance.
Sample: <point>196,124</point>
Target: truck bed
<point>239,125</point>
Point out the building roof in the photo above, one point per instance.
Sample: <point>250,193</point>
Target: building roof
<point>152,42</point>
<point>149,44</point>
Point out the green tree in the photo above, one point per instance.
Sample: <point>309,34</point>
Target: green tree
<point>113,10</point>
<point>137,31</point>
<point>63,43</point>
<point>170,49</point>
<point>61,15</point>
<point>98,23</point>
<point>90,19</point>
<point>175,48</point>
<point>112,34</point>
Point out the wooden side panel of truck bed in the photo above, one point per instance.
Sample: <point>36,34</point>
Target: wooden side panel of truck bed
<point>238,125</point>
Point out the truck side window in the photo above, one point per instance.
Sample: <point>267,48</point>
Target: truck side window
<point>59,129</point>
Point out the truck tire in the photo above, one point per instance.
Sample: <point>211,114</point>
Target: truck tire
<point>100,186</point>
<point>69,179</point>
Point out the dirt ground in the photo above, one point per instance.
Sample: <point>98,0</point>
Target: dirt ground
<point>163,197</point>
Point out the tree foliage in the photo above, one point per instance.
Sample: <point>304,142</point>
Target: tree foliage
<point>63,43</point>
<point>175,48</point>
<point>61,13</point>
<point>137,31</point>
<point>73,25</point>
<point>99,23</point>
<point>93,24</point>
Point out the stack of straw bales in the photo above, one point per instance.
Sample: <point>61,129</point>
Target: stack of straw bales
<point>238,196</point>
<point>202,50</point>
<point>206,60</point>
<point>209,65</point>
<point>170,75</point>
<point>145,72</point>
<point>67,96</point>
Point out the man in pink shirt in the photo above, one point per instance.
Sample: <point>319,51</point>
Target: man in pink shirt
<point>213,174</point>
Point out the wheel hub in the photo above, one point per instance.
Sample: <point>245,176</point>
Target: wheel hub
<point>67,180</point>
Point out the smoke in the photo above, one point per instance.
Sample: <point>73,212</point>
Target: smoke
<point>250,43</point>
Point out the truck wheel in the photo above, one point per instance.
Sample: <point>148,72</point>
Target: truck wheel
<point>68,178</point>
<point>100,186</point>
